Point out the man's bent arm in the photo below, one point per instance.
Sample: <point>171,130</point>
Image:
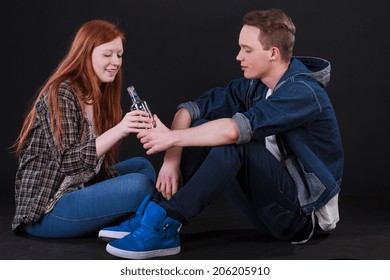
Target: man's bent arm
<point>213,133</point>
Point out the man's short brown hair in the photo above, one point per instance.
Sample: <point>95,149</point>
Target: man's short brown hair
<point>276,30</point>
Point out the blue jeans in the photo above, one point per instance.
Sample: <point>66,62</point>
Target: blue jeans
<point>85,211</point>
<point>254,180</point>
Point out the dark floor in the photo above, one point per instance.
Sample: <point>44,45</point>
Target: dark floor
<point>221,232</point>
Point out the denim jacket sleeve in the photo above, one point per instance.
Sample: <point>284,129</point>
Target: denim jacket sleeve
<point>291,105</point>
<point>224,103</point>
<point>219,102</point>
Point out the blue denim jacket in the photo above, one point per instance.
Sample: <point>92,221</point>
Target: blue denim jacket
<point>299,113</point>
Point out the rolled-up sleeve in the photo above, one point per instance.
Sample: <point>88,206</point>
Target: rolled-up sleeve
<point>77,158</point>
<point>244,128</point>
<point>192,108</point>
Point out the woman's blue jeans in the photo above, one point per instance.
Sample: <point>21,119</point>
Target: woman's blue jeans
<point>252,177</point>
<point>85,211</point>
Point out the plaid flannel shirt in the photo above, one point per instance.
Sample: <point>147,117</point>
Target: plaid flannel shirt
<point>43,167</point>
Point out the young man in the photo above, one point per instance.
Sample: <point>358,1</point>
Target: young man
<point>271,139</point>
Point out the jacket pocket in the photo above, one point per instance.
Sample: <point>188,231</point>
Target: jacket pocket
<point>309,187</point>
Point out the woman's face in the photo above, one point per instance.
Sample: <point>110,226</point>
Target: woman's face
<point>107,60</point>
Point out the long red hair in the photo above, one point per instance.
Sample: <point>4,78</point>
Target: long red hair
<point>76,67</point>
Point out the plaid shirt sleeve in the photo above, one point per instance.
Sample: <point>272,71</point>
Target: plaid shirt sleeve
<point>73,156</point>
<point>42,165</point>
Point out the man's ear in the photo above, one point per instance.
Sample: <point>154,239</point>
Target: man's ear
<point>274,54</point>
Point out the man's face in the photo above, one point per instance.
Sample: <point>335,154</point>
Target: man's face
<point>254,60</point>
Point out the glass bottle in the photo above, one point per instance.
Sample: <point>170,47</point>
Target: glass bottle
<point>138,103</point>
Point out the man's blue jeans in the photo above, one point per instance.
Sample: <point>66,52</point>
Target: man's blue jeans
<point>87,210</point>
<point>255,180</point>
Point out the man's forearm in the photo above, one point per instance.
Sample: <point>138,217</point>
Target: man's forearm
<point>213,133</point>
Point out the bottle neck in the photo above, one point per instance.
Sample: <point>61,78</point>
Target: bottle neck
<point>134,98</point>
<point>133,95</point>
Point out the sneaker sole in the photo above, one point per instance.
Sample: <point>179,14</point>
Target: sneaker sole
<point>143,254</point>
<point>108,235</point>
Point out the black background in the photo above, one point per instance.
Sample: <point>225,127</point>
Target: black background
<point>178,49</point>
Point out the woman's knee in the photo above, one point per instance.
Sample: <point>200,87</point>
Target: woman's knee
<point>136,165</point>
<point>138,182</point>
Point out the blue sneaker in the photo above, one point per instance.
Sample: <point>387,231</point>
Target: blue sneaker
<point>116,232</point>
<point>157,236</point>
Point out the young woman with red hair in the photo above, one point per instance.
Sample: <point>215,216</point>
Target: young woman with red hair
<point>68,182</point>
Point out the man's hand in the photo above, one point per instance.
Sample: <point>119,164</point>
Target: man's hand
<point>157,139</point>
<point>169,180</point>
